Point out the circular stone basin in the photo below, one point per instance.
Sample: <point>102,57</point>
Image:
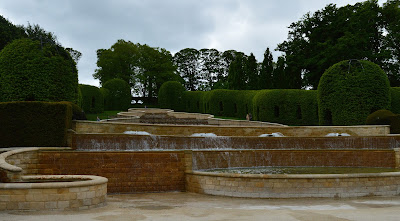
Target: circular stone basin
<point>301,170</point>
<point>303,182</point>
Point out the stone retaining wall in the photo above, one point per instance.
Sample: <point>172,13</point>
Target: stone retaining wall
<point>127,172</point>
<point>228,130</point>
<point>294,186</point>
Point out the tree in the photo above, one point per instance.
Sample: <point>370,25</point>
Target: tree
<point>267,68</point>
<point>188,67</point>
<point>145,68</point>
<point>333,34</point>
<point>237,78</point>
<point>252,77</point>
<point>9,32</point>
<point>210,68</point>
<point>279,77</point>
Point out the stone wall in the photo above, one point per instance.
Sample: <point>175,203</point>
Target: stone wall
<point>127,172</point>
<point>319,158</point>
<point>228,130</point>
<point>294,186</point>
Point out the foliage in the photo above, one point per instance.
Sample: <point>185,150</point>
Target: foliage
<point>120,94</point>
<point>321,39</point>
<point>106,98</point>
<point>77,112</point>
<point>385,117</point>
<point>194,101</point>
<point>266,72</point>
<point>145,68</point>
<point>286,106</point>
<point>237,77</point>
<point>187,63</point>
<point>31,71</point>
<point>395,97</point>
<point>92,99</point>
<point>170,96</point>
<point>350,90</point>
<point>34,124</point>
<point>9,32</point>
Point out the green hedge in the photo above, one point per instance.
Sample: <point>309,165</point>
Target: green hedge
<point>170,96</point>
<point>120,94</point>
<point>92,99</point>
<point>31,71</point>
<point>286,106</point>
<point>107,99</point>
<point>385,117</point>
<point>395,97</point>
<point>194,101</point>
<point>350,90</point>
<point>34,124</point>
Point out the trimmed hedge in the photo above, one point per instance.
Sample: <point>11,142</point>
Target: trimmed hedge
<point>34,124</point>
<point>92,99</point>
<point>31,71</point>
<point>170,96</point>
<point>194,101</point>
<point>385,117</point>
<point>351,90</point>
<point>120,94</point>
<point>395,97</point>
<point>106,97</point>
<point>286,106</point>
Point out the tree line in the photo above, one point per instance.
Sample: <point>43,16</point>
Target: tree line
<point>364,31</point>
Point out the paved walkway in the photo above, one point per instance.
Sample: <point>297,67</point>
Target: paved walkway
<point>188,206</point>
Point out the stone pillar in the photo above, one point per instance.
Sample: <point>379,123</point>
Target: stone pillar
<point>188,161</point>
<point>397,157</point>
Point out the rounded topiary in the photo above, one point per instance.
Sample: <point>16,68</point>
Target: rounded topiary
<point>31,71</point>
<point>107,100</point>
<point>92,99</point>
<point>350,90</point>
<point>120,94</point>
<point>170,96</point>
<point>385,117</point>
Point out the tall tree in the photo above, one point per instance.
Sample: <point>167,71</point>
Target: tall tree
<point>267,68</point>
<point>210,67</point>
<point>333,34</point>
<point>188,67</point>
<point>251,73</point>
<point>9,32</point>
<point>237,79</point>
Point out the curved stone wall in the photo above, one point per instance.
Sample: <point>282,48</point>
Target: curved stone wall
<point>294,186</point>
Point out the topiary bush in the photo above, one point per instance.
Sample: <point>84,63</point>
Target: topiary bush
<point>286,106</point>
<point>170,96</point>
<point>77,112</point>
<point>385,117</point>
<point>106,98</point>
<point>31,71</point>
<point>194,101</point>
<point>350,90</point>
<point>395,98</point>
<point>34,124</point>
<point>120,96</point>
<point>92,99</point>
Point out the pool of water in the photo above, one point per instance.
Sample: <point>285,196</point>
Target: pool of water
<point>302,170</point>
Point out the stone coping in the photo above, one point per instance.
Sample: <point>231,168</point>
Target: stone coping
<point>77,181</point>
<point>11,168</point>
<point>296,176</point>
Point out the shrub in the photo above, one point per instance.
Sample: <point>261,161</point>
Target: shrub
<point>170,96</point>
<point>31,71</point>
<point>385,117</point>
<point>34,124</point>
<point>350,90</point>
<point>286,106</point>
<point>92,99</point>
<point>106,97</point>
<point>120,94</point>
<point>194,101</point>
<point>395,98</point>
<point>77,112</point>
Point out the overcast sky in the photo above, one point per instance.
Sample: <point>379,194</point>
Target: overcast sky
<point>88,25</point>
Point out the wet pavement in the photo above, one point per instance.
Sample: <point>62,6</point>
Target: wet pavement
<point>188,206</point>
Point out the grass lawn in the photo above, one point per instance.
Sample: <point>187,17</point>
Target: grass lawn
<point>102,116</point>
